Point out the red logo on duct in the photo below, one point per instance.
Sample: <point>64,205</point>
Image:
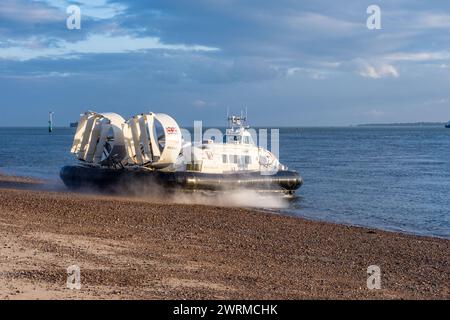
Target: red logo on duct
<point>171,130</point>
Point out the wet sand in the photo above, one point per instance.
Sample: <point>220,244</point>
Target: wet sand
<point>130,248</point>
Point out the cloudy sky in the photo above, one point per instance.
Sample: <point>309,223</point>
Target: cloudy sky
<point>290,62</point>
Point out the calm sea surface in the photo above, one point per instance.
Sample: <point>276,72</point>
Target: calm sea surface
<point>393,178</point>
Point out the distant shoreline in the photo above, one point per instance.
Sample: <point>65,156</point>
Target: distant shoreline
<point>404,124</point>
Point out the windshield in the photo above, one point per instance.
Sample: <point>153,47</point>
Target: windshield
<point>232,138</point>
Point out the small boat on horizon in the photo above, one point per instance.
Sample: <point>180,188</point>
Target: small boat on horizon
<point>448,125</point>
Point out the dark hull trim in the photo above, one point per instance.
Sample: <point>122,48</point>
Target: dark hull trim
<point>76,177</point>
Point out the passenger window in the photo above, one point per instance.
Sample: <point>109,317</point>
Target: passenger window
<point>248,160</point>
<point>224,158</point>
<point>247,140</point>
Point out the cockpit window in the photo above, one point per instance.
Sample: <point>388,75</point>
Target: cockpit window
<point>233,158</point>
<point>233,138</point>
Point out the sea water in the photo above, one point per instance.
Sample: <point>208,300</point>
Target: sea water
<point>392,178</point>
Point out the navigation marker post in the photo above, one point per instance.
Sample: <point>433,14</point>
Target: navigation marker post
<point>50,121</point>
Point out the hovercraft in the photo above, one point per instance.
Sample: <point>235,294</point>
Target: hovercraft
<point>150,150</point>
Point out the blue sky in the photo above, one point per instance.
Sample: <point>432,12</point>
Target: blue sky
<point>289,62</point>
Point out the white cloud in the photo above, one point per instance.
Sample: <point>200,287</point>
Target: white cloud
<point>316,74</point>
<point>199,103</point>
<point>330,64</point>
<point>418,20</point>
<point>26,12</point>
<point>94,44</point>
<point>293,71</point>
<point>378,71</point>
<point>384,65</point>
<point>437,101</point>
<point>418,56</point>
<point>55,10</point>
<point>432,20</point>
<point>376,113</point>
<point>319,22</point>
<point>39,75</point>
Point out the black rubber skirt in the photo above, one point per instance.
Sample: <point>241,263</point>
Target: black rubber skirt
<point>76,177</point>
